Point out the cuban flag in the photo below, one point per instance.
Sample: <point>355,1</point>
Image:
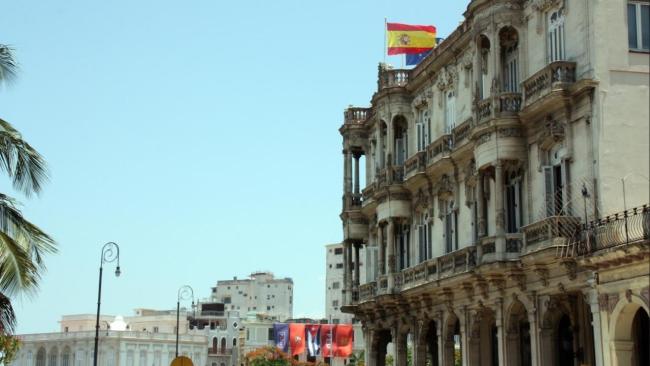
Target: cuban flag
<point>313,339</point>
<point>281,335</point>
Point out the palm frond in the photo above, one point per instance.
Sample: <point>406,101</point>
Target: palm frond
<point>8,64</point>
<point>7,315</point>
<point>21,161</point>
<point>22,247</point>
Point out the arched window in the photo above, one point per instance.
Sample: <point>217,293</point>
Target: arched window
<point>400,127</point>
<point>215,345</point>
<point>53,357</point>
<point>484,81</point>
<point>40,357</point>
<point>556,36</point>
<point>65,357</point>
<point>424,237</point>
<point>509,39</point>
<point>223,345</point>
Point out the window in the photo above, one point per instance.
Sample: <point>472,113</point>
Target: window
<point>556,178</point>
<point>424,237</point>
<point>335,303</point>
<point>450,112</point>
<point>227,300</point>
<point>336,285</point>
<point>451,229</point>
<point>335,321</point>
<point>402,235</point>
<point>400,126</point>
<point>338,251</point>
<point>422,127</point>
<point>556,36</point>
<point>155,329</point>
<point>268,308</point>
<point>638,25</point>
<point>513,202</point>
<point>339,265</point>
<point>65,329</point>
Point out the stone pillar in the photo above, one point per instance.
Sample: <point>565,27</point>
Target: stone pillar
<point>592,300</point>
<point>357,277</point>
<point>500,242</point>
<point>390,253</point>
<point>419,343</point>
<point>382,250</point>
<point>534,342</point>
<point>480,202</point>
<point>399,340</point>
<point>357,156</point>
<point>347,280</point>
<point>501,332</point>
<point>390,143</point>
<point>347,172</point>
<point>440,339</point>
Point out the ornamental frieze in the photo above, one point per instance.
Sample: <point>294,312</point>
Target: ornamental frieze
<point>483,139</point>
<point>510,132</point>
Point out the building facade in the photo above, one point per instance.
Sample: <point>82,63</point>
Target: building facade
<point>507,192</point>
<point>118,346</point>
<point>261,293</point>
<point>334,281</point>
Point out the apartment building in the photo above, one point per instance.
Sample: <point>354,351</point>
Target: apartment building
<point>506,192</point>
<point>261,293</point>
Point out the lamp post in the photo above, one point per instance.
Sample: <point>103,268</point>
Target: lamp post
<point>184,293</point>
<point>110,253</point>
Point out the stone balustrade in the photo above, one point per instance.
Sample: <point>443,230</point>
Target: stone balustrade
<point>555,76</point>
<point>416,163</point>
<point>354,115</point>
<point>367,291</point>
<point>440,147</point>
<point>540,234</point>
<point>389,78</point>
<point>461,132</point>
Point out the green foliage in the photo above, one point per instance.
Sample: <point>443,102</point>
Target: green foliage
<point>9,346</point>
<point>358,359</point>
<point>458,357</point>
<point>389,360</point>
<point>272,356</point>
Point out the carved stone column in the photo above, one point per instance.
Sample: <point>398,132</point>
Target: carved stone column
<point>480,202</point>
<point>592,299</point>
<point>419,342</point>
<point>391,254</point>
<point>347,171</point>
<point>382,250</point>
<point>501,331</point>
<point>399,341</point>
<point>500,242</point>
<point>357,156</point>
<point>355,285</point>
<point>347,278</point>
<point>534,342</point>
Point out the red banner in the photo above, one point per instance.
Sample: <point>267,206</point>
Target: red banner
<point>297,337</point>
<point>344,339</point>
<point>327,340</point>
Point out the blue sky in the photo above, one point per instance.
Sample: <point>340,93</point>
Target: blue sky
<point>202,136</point>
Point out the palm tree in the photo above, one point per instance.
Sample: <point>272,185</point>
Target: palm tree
<point>22,244</point>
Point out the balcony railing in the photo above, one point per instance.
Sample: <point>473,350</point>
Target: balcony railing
<point>461,132</point>
<point>367,291</point>
<point>554,227</point>
<point>389,78</point>
<point>631,226</point>
<point>439,148</point>
<point>501,105</point>
<point>390,175</point>
<point>354,115</point>
<point>416,163</point>
<point>556,75</point>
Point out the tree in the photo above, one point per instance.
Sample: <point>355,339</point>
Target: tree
<point>272,356</point>
<point>22,244</point>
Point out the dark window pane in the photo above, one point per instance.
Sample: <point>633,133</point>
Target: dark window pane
<point>645,27</point>
<point>631,25</point>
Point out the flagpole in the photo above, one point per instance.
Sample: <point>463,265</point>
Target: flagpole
<point>385,42</point>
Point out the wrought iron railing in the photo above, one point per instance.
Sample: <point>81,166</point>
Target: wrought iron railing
<point>631,226</point>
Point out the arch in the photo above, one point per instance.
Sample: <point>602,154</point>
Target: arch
<point>223,345</point>
<point>452,341</point>
<point>65,356</point>
<point>483,341</point>
<point>400,139</point>
<point>509,48</point>
<point>627,317</point>
<point>518,339</point>
<point>430,343</point>
<point>53,356</point>
<point>379,345</point>
<point>215,345</point>
<point>40,356</point>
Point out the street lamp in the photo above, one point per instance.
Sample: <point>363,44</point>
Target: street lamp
<point>184,293</point>
<point>110,253</point>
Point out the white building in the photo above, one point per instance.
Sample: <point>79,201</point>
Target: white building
<point>260,293</point>
<point>334,282</point>
<point>118,346</point>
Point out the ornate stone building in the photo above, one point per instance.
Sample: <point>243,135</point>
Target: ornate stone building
<point>494,171</point>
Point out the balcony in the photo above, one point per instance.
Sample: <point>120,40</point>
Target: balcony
<point>551,232</point>
<point>390,175</point>
<point>389,78</point>
<point>460,133</point>
<point>367,291</point>
<point>502,105</point>
<point>415,164</point>
<point>555,78</point>
<point>356,115</point>
<point>439,149</point>
<point>620,229</point>
<point>448,265</point>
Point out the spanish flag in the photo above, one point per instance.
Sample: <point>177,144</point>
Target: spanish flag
<point>404,38</point>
